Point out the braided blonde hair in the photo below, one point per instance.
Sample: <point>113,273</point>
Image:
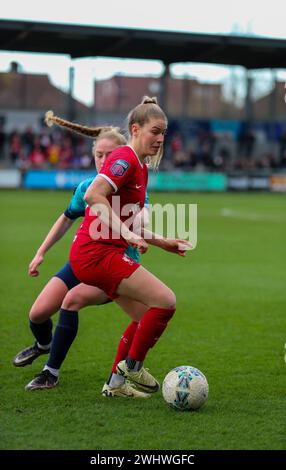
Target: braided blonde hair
<point>51,119</point>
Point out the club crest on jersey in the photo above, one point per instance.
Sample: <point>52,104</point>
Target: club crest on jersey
<point>119,167</point>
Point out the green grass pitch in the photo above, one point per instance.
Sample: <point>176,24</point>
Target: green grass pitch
<point>230,323</point>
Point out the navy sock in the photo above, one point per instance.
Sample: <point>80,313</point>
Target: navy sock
<point>42,331</point>
<point>64,336</point>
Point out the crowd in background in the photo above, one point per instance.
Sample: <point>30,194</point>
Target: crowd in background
<point>55,148</point>
<point>222,152</point>
<point>45,150</point>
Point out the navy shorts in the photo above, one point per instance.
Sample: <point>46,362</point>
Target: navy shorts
<point>67,276</point>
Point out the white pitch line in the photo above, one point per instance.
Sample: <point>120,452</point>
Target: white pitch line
<point>253,216</point>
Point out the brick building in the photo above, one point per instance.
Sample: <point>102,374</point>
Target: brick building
<point>24,99</point>
<point>185,97</point>
<point>272,105</point>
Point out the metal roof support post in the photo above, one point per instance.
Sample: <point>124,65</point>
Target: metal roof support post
<point>273,148</point>
<point>248,106</point>
<point>164,88</point>
<point>186,97</point>
<point>273,97</point>
<point>71,111</point>
<point>93,108</point>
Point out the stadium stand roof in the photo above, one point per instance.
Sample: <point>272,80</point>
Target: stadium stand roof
<point>169,47</point>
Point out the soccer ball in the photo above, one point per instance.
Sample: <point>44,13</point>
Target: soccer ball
<point>185,388</point>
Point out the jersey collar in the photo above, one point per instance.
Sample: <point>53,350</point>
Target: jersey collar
<point>136,155</point>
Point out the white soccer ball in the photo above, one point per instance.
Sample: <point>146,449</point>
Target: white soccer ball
<point>185,388</point>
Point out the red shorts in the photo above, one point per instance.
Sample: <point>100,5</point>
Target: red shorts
<point>103,268</point>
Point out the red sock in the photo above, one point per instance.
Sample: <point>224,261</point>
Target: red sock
<point>124,344</point>
<point>149,330</point>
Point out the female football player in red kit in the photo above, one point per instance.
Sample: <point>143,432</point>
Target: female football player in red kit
<point>97,253</point>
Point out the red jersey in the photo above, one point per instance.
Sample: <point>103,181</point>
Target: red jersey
<point>128,178</point>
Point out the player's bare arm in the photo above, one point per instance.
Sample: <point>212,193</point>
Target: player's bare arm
<point>96,198</point>
<point>57,231</point>
<point>172,245</point>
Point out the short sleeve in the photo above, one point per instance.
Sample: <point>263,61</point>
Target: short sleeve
<point>118,169</point>
<point>77,204</point>
<point>146,203</point>
<point>133,253</point>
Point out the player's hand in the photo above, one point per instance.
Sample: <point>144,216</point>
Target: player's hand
<point>176,246</point>
<point>137,242</point>
<point>36,261</point>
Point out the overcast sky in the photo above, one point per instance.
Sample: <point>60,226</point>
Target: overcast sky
<point>219,16</point>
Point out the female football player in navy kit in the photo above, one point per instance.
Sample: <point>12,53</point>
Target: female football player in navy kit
<point>65,287</point>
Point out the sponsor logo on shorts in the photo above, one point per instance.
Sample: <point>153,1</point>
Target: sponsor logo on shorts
<point>127,260</point>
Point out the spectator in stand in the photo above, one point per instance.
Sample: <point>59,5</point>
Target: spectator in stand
<point>28,139</point>
<point>272,161</point>
<point>85,161</point>
<point>53,154</point>
<point>222,159</point>
<point>23,164</point>
<point>66,154</point>
<point>180,157</point>
<point>192,156</point>
<point>45,141</point>
<point>82,159</point>
<point>15,147</point>
<point>267,162</point>
<point>282,144</point>
<point>57,137</point>
<point>247,142</point>
<point>282,163</point>
<point>181,160</point>
<point>176,143</point>
<point>2,141</point>
<point>37,157</point>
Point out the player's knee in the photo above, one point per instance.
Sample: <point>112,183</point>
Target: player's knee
<point>39,313</point>
<point>73,302</point>
<point>168,300</point>
<point>136,315</point>
<point>171,301</point>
